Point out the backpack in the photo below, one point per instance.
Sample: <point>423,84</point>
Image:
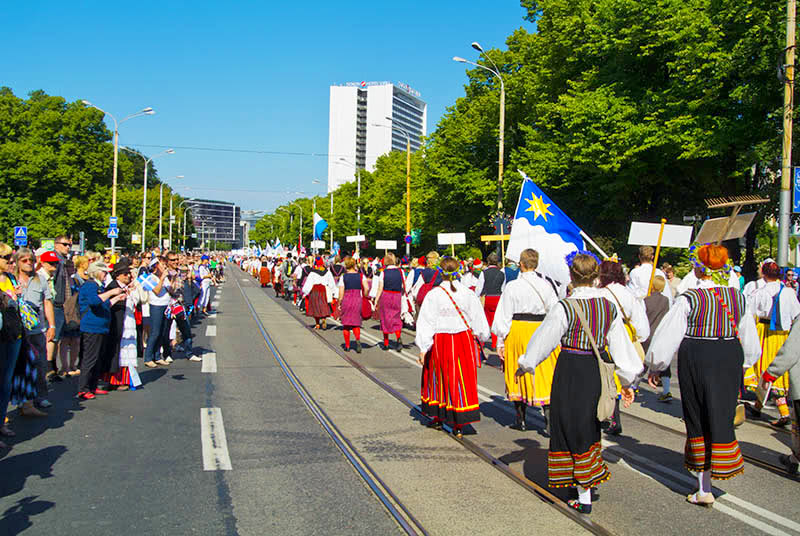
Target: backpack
<point>424,289</point>
<point>72,313</point>
<point>12,323</point>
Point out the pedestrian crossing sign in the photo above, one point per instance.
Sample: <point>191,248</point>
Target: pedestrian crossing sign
<point>20,236</point>
<point>113,232</point>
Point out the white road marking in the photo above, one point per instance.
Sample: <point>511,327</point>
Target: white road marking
<point>211,331</point>
<point>680,480</point>
<point>215,446</point>
<point>209,363</point>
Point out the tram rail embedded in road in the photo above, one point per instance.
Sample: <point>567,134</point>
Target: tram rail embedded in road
<point>542,493</point>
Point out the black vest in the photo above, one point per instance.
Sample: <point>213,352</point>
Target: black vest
<point>493,279</point>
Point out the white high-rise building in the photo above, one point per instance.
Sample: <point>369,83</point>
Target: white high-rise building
<point>356,109</point>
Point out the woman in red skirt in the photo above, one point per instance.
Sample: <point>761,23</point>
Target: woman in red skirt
<point>319,288</point>
<point>352,289</point>
<point>450,319</point>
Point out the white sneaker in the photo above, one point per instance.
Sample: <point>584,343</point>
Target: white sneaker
<point>195,358</point>
<point>169,360</point>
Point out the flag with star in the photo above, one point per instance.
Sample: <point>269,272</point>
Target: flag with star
<point>539,224</point>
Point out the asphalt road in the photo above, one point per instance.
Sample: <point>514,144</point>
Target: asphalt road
<point>133,462</point>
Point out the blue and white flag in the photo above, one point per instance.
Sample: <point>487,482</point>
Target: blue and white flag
<point>539,224</point>
<point>277,244</point>
<point>336,248</point>
<point>319,226</point>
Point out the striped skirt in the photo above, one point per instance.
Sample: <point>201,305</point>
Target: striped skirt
<point>574,457</point>
<point>709,372</point>
<point>450,380</point>
<point>317,304</point>
<point>771,342</point>
<point>534,389</point>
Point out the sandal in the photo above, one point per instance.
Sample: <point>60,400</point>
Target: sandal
<point>580,507</point>
<point>705,499</point>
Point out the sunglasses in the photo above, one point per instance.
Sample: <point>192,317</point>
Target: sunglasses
<point>7,257</point>
<point>68,244</point>
<point>27,259</point>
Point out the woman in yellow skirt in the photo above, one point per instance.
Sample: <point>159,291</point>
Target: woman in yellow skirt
<point>520,311</point>
<point>775,307</point>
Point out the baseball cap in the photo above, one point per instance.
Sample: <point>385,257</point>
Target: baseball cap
<point>49,256</point>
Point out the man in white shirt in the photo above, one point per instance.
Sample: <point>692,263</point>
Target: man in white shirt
<point>639,282</point>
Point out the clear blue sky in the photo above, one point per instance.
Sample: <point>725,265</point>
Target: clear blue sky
<point>242,75</point>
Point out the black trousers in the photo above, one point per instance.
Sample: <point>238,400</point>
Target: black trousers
<point>90,372</point>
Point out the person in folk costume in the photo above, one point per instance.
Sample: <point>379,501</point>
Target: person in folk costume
<point>300,275</point>
<point>470,279</point>
<point>715,337</point>
<point>337,270</point>
<point>352,289</point>
<point>113,372</point>
<point>640,276</point>
<point>776,308</point>
<point>417,266</point>
<point>520,312</point>
<point>264,273</point>
<point>491,283</point>
<point>656,306</point>
<point>318,289</point>
<point>691,281</point>
<point>634,316</point>
<point>429,278</point>
<point>390,300</point>
<point>787,361</point>
<point>450,319</point>
<point>574,457</point>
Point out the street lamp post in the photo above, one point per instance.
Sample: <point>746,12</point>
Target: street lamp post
<point>408,178</point>
<point>496,72</point>
<point>160,211</point>
<point>145,111</point>
<point>358,197</point>
<point>183,234</point>
<point>144,195</point>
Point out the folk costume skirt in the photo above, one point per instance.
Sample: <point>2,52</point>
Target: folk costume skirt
<point>265,276</point>
<point>533,390</point>
<point>771,342</point>
<point>351,308</point>
<point>318,303</point>
<point>709,372</point>
<point>389,311</point>
<point>574,458</point>
<point>450,380</point>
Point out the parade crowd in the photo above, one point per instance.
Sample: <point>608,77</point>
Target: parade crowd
<point>88,319</point>
<point>574,349</point>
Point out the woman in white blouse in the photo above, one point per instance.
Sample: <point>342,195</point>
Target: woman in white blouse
<point>519,314</point>
<point>450,319</point>
<point>574,457</point>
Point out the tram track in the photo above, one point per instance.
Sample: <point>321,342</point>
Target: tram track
<point>539,491</point>
<point>402,515</point>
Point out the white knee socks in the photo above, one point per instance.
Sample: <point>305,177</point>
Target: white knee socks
<point>703,481</point>
<point>584,495</point>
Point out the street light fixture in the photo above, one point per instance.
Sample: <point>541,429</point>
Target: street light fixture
<point>408,177</point>
<point>144,111</point>
<point>495,71</point>
<point>160,208</point>
<point>144,195</point>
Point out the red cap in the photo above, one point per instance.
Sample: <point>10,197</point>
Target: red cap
<point>477,263</point>
<point>48,256</point>
<point>423,261</point>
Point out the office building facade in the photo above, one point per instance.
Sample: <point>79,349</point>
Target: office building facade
<point>216,221</point>
<point>355,136</point>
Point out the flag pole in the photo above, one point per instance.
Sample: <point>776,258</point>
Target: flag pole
<point>595,246</point>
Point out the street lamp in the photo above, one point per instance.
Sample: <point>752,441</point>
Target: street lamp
<point>358,197</point>
<point>183,234</point>
<point>144,195</point>
<point>495,71</point>
<point>160,209</point>
<point>144,111</point>
<point>408,178</point>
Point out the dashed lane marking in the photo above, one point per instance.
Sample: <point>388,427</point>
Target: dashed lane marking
<point>209,363</point>
<point>211,331</point>
<point>215,445</point>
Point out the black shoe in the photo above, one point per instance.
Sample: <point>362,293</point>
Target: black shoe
<point>346,348</point>
<point>791,466</point>
<point>580,507</point>
<point>358,347</point>
<point>399,345</point>
<point>384,347</point>
<point>781,423</point>
<point>752,412</point>
<point>436,425</point>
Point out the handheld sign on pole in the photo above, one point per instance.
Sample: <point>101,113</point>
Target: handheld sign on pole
<point>356,238</point>
<point>386,245</point>
<point>658,235</point>
<point>318,244</point>
<point>451,239</point>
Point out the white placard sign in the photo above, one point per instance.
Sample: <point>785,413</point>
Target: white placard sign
<point>386,244</point>
<point>318,244</point>
<point>646,234</point>
<point>356,238</point>
<point>449,239</point>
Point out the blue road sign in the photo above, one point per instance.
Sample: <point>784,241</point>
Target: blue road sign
<point>20,236</point>
<point>112,222</point>
<point>796,191</point>
<point>113,232</point>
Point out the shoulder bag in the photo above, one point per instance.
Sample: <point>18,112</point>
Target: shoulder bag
<point>608,389</point>
<point>631,330</point>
